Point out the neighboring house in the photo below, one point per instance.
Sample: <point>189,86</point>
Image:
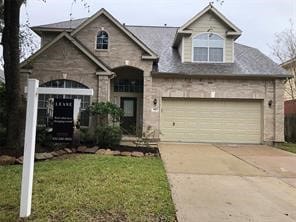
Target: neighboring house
<point>2,78</point>
<point>290,86</point>
<point>191,83</point>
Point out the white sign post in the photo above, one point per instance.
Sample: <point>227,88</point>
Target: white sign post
<point>29,149</point>
<point>33,91</point>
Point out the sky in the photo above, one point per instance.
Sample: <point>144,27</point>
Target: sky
<point>258,19</point>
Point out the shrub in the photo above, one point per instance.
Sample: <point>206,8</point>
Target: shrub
<point>87,137</point>
<point>108,136</point>
<point>103,109</point>
<point>43,137</point>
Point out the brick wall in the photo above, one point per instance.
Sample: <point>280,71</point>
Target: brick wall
<point>265,90</point>
<point>64,60</point>
<point>121,47</point>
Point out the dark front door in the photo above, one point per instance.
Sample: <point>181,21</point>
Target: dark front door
<point>129,119</point>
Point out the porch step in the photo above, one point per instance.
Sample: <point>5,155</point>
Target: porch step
<point>138,142</point>
<point>129,138</point>
<point>143,143</point>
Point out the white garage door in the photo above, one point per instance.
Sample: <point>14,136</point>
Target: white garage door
<point>221,121</point>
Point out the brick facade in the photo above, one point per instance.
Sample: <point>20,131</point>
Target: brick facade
<point>64,61</point>
<point>265,90</point>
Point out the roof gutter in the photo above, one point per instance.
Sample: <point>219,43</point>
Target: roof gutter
<point>39,30</point>
<point>238,76</point>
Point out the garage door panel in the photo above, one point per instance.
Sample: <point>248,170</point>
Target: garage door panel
<point>194,120</point>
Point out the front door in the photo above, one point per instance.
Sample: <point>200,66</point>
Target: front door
<point>129,119</point>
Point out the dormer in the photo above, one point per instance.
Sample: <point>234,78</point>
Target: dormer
<point>208,37</point>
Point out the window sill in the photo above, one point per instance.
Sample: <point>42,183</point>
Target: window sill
<point>102,50</point>
<point>202,62</point>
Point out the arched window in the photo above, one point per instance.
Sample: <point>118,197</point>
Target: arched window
<point>44,98</point>
<point>208,47</point>
<point>102,40</point>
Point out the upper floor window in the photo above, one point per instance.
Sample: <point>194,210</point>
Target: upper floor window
<point>128,85</point>
<point>208,47</point>
<point>102,40</point>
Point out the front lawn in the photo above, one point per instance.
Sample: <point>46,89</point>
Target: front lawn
<point>290,147</point>
<point>91,188</point>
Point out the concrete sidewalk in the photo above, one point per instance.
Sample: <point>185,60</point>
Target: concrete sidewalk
<point>225,183</point>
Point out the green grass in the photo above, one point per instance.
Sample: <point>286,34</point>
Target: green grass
<point>290,147</point>
<point>91,188</point>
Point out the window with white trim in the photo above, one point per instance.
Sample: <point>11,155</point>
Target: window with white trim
<point>61,83</point>
<point>208,47</point>
<point>102,40</point>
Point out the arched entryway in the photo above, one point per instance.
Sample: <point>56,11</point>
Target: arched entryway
<point>127,92</point>
<point>63,83</point>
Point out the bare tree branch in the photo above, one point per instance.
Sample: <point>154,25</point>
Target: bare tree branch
<point>284,46</point>
<point>284,49</point>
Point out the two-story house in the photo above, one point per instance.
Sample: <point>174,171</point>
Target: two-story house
<point>290,86</point>
<point>191,83</point>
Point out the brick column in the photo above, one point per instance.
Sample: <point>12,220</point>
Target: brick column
<point>103,88</point>
<point>269,111</point>
<point>147,102</point>
<point>150,112</point>
<point>279,111</point>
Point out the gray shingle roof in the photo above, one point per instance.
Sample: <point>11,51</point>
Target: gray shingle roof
<point>62,25</point>
<point>247,60</point>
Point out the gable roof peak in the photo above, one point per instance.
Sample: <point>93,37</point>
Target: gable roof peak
<point>183,30</point>
<point>211,8</point>
<point>151,55</point>
<point>81,48</point>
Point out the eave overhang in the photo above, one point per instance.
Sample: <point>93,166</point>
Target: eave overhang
<point>230,76</point>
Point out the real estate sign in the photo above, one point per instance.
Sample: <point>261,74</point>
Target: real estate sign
<point>63,122</point>
<point>66,111</point>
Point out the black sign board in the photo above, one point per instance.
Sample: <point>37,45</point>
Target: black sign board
<point>63,120</point>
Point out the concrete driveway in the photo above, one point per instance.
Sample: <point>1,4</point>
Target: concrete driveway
<point>231,182</point>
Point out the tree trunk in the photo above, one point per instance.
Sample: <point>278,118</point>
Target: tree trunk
<point>11,52</point>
